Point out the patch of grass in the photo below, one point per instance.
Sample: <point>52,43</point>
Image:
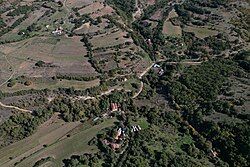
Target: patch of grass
<point>200,32</point>
<point>186,139</point>
<point>143,123</point>
<point>132,84</point>
<point>52,85</point>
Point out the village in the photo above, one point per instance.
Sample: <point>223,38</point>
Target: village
<point>124,83</point>
<point>121,135</point>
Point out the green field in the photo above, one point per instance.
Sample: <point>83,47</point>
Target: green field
<point>128,85</point>
<point>200,32</point>
<point>142,122</point>
<point>53,134</point>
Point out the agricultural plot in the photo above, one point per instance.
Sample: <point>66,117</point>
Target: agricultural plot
<point>172,14</point>
<point>128,59</point>
<point>171,30</point>
<point>106,10</point>
<point>88,28</point>
<point>8,48</point>
<point>141,66</point>
<point>142,122</point>
<point>61,139</point>
<point>168,28</point>
<point>94,7</point>
<point>27,101</point>
<point>48,133</point>
<point>52,20</point>
<point>32,18</point>
<point>113,48</point>
<point>157,15</point>
<point>240,91</point>
<point>220,117</point>
<point>109,40</point>
<point>65,56</point>
<point>9,20</point>
<point>153,24</point>
<point>126,62</point>
<point>150,2</point>
<point>80,3</point>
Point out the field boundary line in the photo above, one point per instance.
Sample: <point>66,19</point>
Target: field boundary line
<point>11,74</point>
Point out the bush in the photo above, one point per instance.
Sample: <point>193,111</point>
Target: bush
<point>40,63</point>
<point>27,83</point>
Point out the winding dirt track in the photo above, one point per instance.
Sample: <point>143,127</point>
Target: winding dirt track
<point>140,90</point>
<point>14,107</point>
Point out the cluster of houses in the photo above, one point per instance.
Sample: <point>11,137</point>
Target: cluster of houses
<point>118,139</point>
<point>117,143</point>
<point>113,108</point>
<point>158,69</point>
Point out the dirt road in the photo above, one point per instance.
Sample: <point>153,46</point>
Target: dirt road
<point>14,107</point>
<point>140,90</point>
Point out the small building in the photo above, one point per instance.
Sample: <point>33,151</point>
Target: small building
<point>114,107</point>
<point>95,119</point>
<point>161,72</point>
<point>214,153</point>
<point>157,66</point>
<point>58,31</point>
<point>149,42</point>
<point>115,146</point>
<point>118,134</point>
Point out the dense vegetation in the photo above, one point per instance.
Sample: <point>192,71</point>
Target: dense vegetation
<point>182,138</point>
<point>2,23</point>
<point>22,125</point>
<point>20,10</point>
<point>125,6</point>
<point>196,94</point>
<point>203,83</point>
